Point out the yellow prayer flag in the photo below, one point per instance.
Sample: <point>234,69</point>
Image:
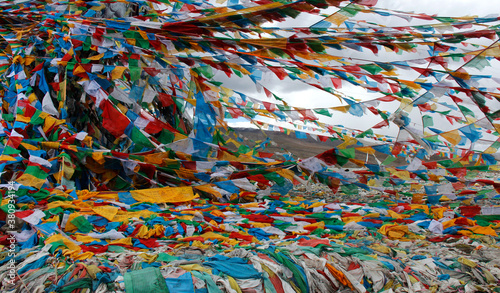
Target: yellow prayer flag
<point>98,157</point>
<point>107,212</point>
<point>367,149</point>
<point>6,158</point>
<point>164,195</point>
<point>452,136</point>
<point>402,174</point>
<point>208,189</point>
<point>336,18</point>
<point>96,57</point>
<point>30,180</point>
<point>117,72</point>
<point>59,237</point>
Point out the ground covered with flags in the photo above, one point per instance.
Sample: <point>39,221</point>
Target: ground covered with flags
<point>112,242</point>
<point>120,170</point>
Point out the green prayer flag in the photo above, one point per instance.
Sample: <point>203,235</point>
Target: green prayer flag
<point>323,112</point>
<point>427,120</point>
<point>82,224</point>
<point>348,153</point>
<point>139,138</point>
<point>148,280</point>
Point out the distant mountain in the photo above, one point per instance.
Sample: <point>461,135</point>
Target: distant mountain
<point>304,148</point>
<point>299,148</point>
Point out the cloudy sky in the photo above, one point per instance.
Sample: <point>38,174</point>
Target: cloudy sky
<point>298,94</point>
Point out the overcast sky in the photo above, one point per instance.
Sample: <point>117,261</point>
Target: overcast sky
<point>444,7</point>
<point>298,94</point>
